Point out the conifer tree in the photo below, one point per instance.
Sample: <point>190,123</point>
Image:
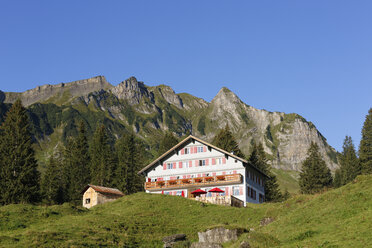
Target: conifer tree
<point>349,163</point>
<point>128,150</point>
<point>337,181</point>
<point>51,182</point>
<point>77,163</point>
<point>167,142</point>
<point>102,164</point>
<point>19,178</point>
<point>315,175</point>
<point>286,195</point>
<point>258,160</point>
<point>365,147</point>
<point>226,141</point>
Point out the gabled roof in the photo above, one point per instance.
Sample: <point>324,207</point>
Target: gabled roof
<point>190,137</point>
<point>103,190</point>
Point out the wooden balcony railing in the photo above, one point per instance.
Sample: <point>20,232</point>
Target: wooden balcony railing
<point>195,182</point>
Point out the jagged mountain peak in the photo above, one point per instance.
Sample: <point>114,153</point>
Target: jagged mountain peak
<point>168,94</point>
<point>131,90</point>
<point>225,96</point>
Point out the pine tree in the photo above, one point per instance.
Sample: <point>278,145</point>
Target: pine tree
<point>349,163</point>
<point>129,163</point>
<point>77,163</point>
<point>19,178</point>
<point>226,141</point>
<point>258,160</point>
<point>337,181</point>
<point>102,164</point>
<point>315,175</point>
<point>51,182</point>
<point>365,147</point>
<point>167,142</point>
<point>286,195</point>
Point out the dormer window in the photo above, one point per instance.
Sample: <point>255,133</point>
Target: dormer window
<point>202,162</point>
<point>187,150</point>
<point>169,166</point>
<point>200,149</point>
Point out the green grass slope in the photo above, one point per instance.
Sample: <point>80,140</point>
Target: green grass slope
<point>337,218</point>
<point>287,180</point>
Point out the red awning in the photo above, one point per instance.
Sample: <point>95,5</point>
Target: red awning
<point>216,190</point>
<point>198,191</point>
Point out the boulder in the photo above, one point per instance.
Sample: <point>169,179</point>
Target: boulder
<point>265,221</point>
<point>205,245</point>
<point>244,244</point>
<point>170,240</point>
<point>219,235</point>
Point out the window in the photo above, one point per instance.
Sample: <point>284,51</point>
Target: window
<point>187,150</point>
<point>261,198</point>
<point>185,165</point>
<point>253,194</point>
<point>200,149</point>
<point>202,162</point>
<point>87,201</point>
<point>218,160</point>
<point>169,166</point>
<point>236,190</point>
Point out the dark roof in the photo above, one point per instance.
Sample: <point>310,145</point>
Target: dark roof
<point>201,141</point>
<point>103,190</point>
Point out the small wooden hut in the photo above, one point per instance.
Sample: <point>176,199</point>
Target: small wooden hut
<point>94,195</point>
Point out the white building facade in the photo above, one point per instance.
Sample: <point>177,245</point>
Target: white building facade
<point>195,164</point>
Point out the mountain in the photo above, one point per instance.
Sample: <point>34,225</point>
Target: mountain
<point>151,110</point>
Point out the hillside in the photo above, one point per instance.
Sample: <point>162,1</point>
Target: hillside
<point>337,218</point>
<point>151,110</point>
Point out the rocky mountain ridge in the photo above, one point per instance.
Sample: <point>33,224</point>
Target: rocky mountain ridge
<point>150,110</point>
<point>47,91</point>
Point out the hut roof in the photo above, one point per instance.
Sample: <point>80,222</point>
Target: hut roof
<point>103,190</point>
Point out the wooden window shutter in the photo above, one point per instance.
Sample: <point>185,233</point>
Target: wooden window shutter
<point>195,149</point>
<point>224,173</point>
<point>164,166</point>
<point>196,162</point>
<point>214,173</point>
<point>180,165</point>
<point>182,151</point>
<point>190,163</point>
<point>213,161</point>
<point>224,160</point>
<point>207,161</point>
<point>191,150</point>
<point>184,176</point>
<point>205,149</point>
<point>240,190</point>
<point>174,165</point>
<point>234,172</point>
<point>227,191</point>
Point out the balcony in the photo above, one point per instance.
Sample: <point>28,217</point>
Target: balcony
<point>196,182</point>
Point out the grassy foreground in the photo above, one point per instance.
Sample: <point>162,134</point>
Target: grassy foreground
<point>337,218</point>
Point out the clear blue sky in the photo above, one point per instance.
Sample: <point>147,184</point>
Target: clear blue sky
<point>313,58</point>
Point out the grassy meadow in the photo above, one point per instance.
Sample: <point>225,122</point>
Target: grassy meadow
<point>337,218</point>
